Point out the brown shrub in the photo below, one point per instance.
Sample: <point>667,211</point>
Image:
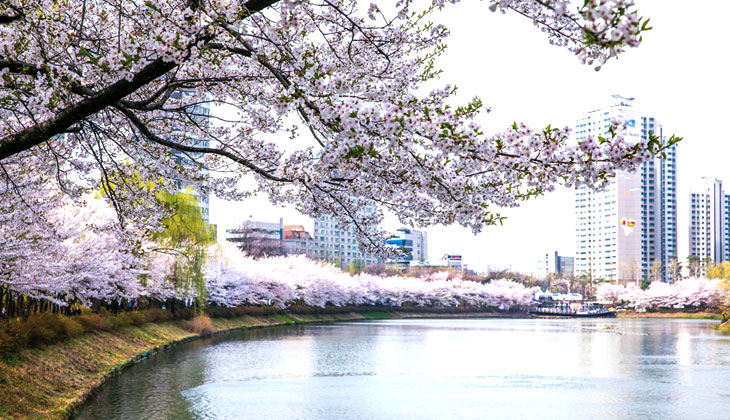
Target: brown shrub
<point>185,313</point>
<point>71,327</point>
<point>219,312</point>
<point>94,322</point>
<point>136,318</point>
<point>13,337</point>
<point>157,315</point>
<point>200,325</point>
<point>262,310</point>
<point>44,329</point>
<point>121,320</point>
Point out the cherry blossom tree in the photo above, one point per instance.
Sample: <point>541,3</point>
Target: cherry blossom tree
<point>112,91</point>
<point>78,252</point>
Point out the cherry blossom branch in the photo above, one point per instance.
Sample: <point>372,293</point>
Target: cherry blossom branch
<point>139,125</point>
<point>38,133</point>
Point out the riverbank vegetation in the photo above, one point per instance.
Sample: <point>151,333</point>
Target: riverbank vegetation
<point>237,285</point>
<point>675,314</point>
<point>42,382</point>
<point>49,381</point>
<point>46,328</point>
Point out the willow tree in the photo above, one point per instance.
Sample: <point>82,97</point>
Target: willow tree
<point>186,237</point>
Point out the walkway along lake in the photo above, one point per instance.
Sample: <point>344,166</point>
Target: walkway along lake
<point>428,369</point>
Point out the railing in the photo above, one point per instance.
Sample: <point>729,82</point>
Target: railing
<point>554,310</point>
<point>566,310</point>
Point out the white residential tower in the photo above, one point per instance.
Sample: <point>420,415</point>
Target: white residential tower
<point>628,231</point>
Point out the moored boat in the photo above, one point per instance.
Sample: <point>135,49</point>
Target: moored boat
<point>574,310</point>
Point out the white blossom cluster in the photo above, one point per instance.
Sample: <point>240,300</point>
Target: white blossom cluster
<point>74,251</point>
<point>695,292</point>
<point>595,30</point>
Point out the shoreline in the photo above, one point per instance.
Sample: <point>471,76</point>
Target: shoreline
<point>54,380</point>
<point>676,315</point>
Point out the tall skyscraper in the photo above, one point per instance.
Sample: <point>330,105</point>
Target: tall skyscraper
<point>628,231</point>
<point>709,221</point>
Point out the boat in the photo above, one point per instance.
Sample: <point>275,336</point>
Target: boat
<point>573,310</point>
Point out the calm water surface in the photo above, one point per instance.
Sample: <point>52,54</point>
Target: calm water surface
<point>435,369</point>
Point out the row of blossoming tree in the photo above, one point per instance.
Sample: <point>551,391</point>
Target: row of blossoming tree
<point>693,292</point>
<point>234,279</point>
<point>231,278</point>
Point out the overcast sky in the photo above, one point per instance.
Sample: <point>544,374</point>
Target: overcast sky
<point>679,75</point>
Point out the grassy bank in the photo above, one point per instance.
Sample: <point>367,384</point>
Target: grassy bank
<point>679,315</point>
<point>50,381</point>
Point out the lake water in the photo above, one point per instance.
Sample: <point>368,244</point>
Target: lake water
<point>435,369</point>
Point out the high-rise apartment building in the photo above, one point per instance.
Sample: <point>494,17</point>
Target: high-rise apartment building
<point>709,221</point>
<point>337,245</point>
<point>201,116</point>
<point>726,209</point>
<point>628,231</point>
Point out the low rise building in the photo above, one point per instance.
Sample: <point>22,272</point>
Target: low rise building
<point>298,241</point>
<point>553,264</point>
<point>453,261</point>
<point>258,239</point>
<point>413,245</point>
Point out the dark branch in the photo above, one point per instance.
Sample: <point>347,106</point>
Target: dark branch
<point>37,134</point>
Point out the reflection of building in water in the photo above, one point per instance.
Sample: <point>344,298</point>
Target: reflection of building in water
<point>627,231</point>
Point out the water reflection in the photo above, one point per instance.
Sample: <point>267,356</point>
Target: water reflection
<point>434,369</point>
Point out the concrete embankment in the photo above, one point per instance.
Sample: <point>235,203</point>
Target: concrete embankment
<point>50,382</point>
